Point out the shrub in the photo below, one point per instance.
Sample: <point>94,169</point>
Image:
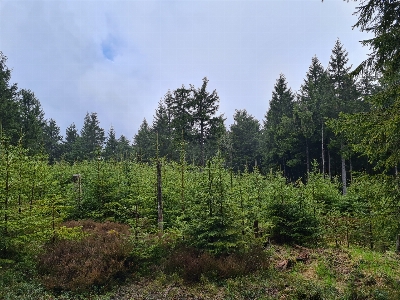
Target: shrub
<point>192,265</point>
<point>94,259</point>
<point>292,223</point>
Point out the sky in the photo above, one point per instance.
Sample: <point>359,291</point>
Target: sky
<point>119,58</point>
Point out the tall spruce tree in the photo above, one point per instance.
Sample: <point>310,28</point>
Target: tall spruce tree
<point>144,143</point>
<point>376,133</point>
<point>71,144</point>
<point>162,128</point>
<point>344,101</point>
<point>52,140</point>
<point>124,148</point>
<point>32,121</point>
<point>204,107</point>
<point>245,135</point>
<point>92,137</point>
<point>9,114</point>
<point>110,150</point>
<point>311,110</point>
<point>279,132</point>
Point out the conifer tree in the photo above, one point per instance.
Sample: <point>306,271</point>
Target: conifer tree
<point>311,110</point>
<point>32,121</point>
<point>207,126</point>
<point>144,142</point>
<point>71,149</point>
<point>124,148</point>
<point>245,134</point>
<point>344,100</point>
<point>52,140</point>
<point>279,133</point>
<point>162,127</point>
<point>110,150</point>
<point>92,136</point>
<point>9,115</point>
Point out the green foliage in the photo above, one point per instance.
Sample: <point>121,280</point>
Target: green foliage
<point>292,223</point>
<point>211,224</point>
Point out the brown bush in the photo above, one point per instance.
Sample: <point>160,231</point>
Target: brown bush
<point>192,264</point>
<point>93,260</point>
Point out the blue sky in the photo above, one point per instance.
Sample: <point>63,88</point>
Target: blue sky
<point>119,58</point>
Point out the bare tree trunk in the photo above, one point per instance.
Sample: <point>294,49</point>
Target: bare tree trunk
<point>329,165</point>
<point>322,150</point>
<point>159,200</point>
<point>307,157</point>
<point>344,177</point>
<point>351,171</point>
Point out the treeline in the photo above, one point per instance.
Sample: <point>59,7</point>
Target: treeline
<point>298,127</point>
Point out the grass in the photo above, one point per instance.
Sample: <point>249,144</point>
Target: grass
<point>293,273</point>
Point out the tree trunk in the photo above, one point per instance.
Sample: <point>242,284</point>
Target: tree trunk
<point>344,178</point>
<point>322,149</point>
<point>202,143</point>
<point>329,165</point>
<point>159,200</point>
<point>307,157</point>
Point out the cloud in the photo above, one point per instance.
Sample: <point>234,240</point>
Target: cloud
<point>118,58</point>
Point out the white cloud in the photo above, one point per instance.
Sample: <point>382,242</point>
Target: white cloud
<point>118,58</point>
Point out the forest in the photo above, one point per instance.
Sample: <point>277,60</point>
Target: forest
<point>194,201</point>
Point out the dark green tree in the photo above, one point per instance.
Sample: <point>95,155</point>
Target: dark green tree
<point>245,135</point>
<point>178,103</point>
<point>92,137</point>
<point>110,150</point>
<point>206,124</point>
<point>52,140</point>
<point>344,101</point>
<point>376,133</point>
<point>145,142</point>
<point>279,131</point>
<point>32,121</point>
<point>124,148</point>
<point>162,128</point>
<point>9,114</point>
<point>71,145</point>
<point>311,110</point>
